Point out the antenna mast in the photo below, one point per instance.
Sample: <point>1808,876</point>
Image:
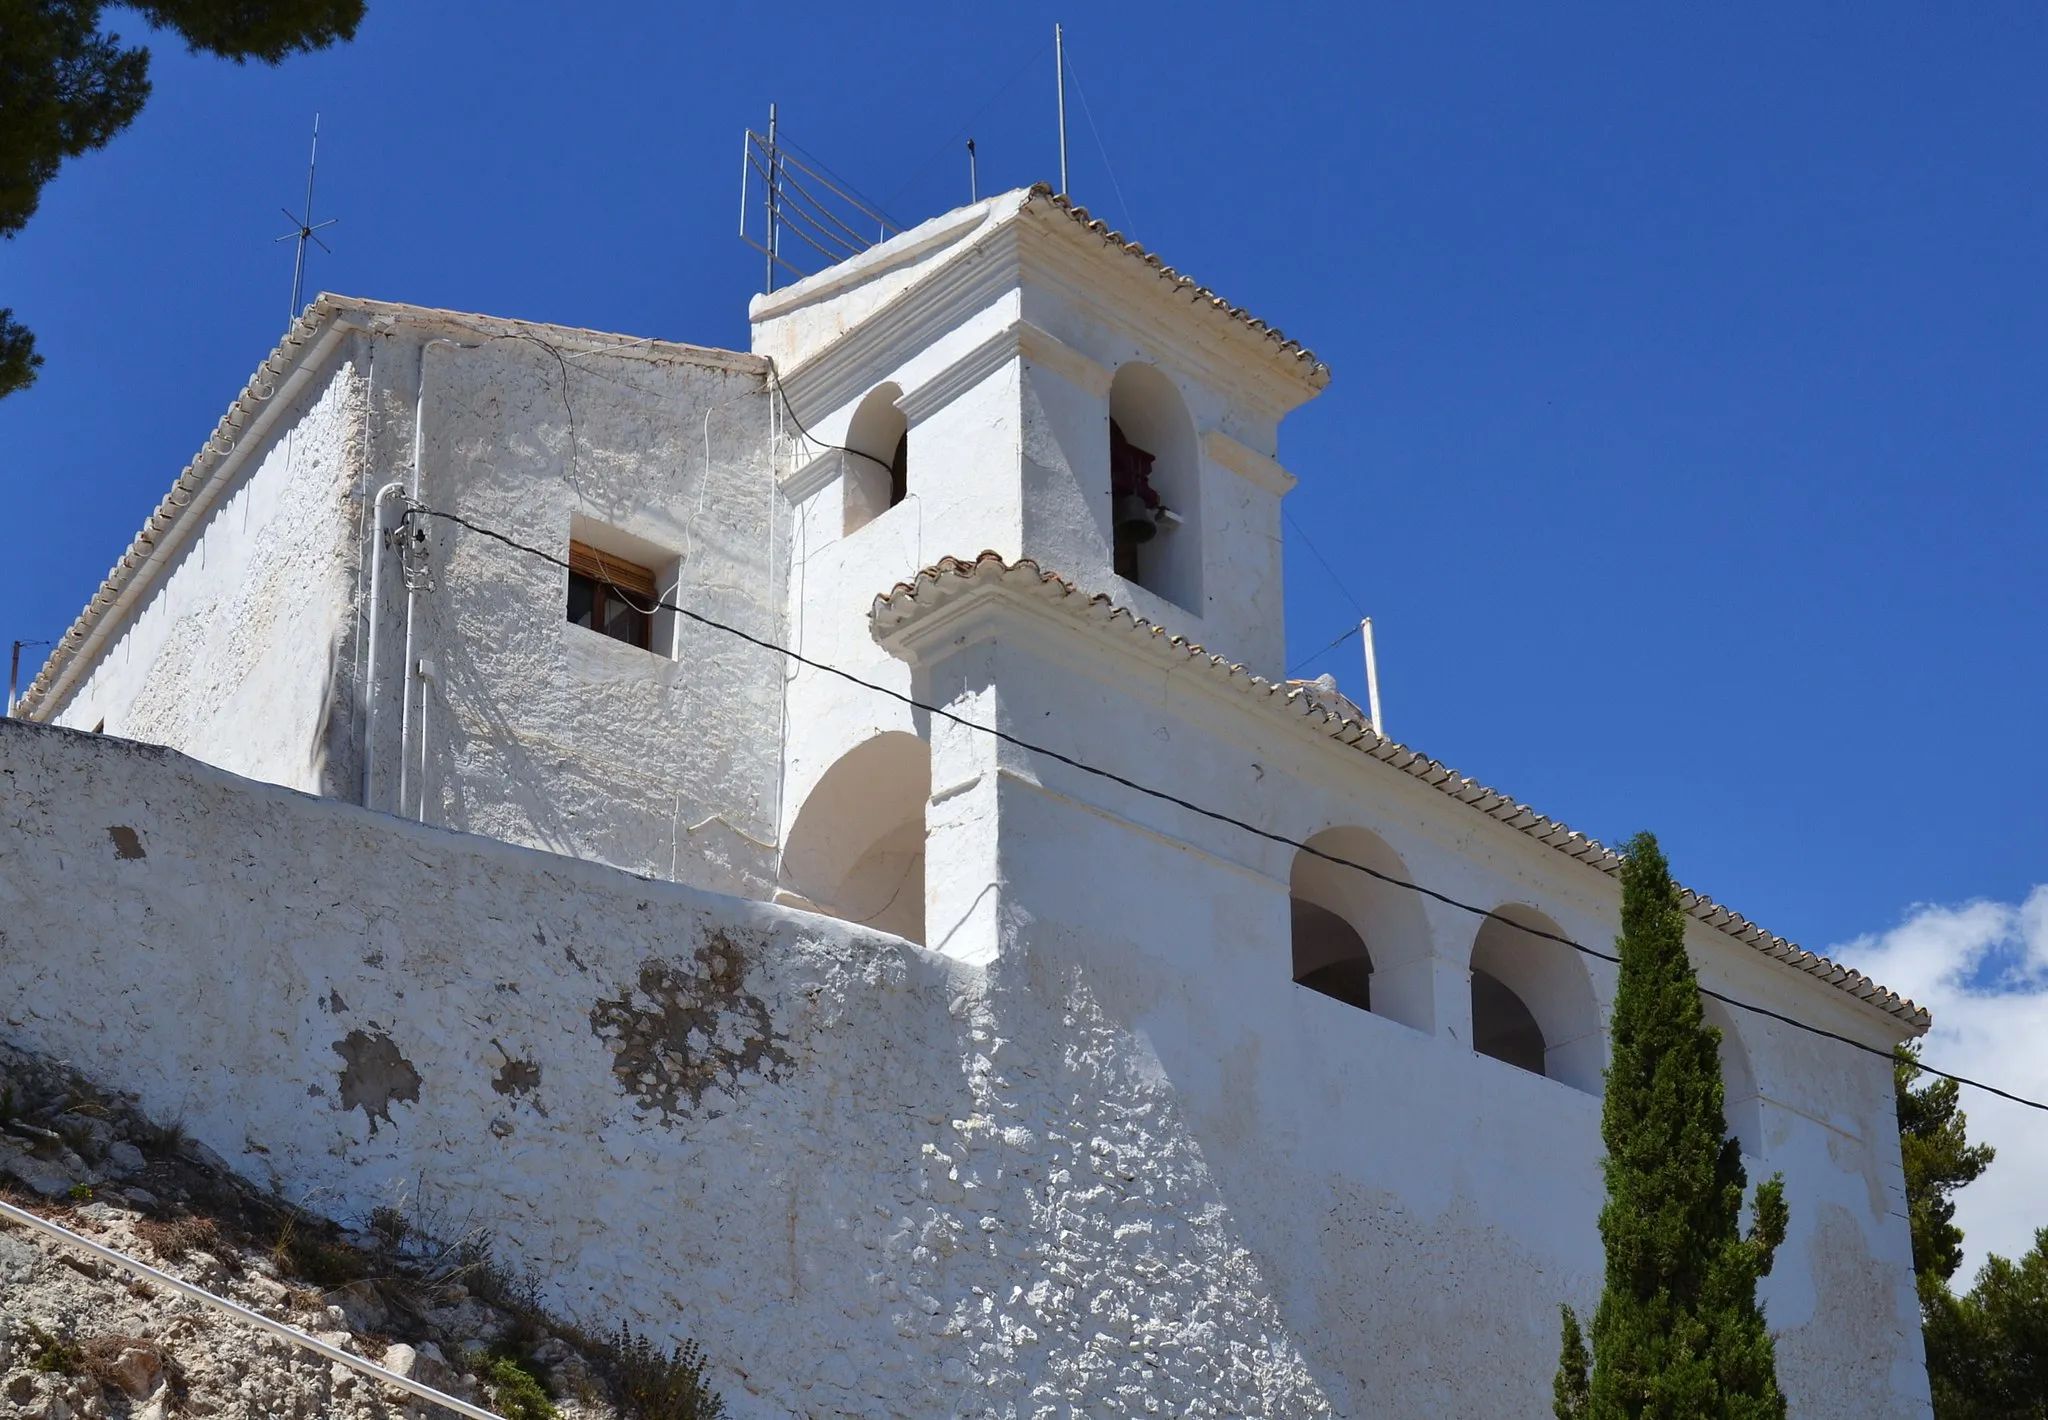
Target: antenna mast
<point>973,178</point>
<point>1372,678</point>
<point>304,227</point>
<point>1059,64</point>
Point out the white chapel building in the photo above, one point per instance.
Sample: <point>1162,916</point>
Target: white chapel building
<point>1006,471</point>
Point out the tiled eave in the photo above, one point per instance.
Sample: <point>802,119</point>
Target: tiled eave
<point>1313,369</point>
<point>951,578</point>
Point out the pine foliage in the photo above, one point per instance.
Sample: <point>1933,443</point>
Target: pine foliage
<point>1679,1334</point>
<point>67,87</point>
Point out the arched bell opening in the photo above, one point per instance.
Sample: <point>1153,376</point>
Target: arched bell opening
<point>856,848</point>
<point>1532,1001</point>
<point>1154,486</point>
<point>1358,938</point>
<point>877,474</point>
<point>1741,1100</point>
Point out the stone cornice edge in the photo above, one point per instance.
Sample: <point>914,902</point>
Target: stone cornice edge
<point>895,612</point>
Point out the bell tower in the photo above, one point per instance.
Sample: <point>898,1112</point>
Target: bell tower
<point>1014,377</point>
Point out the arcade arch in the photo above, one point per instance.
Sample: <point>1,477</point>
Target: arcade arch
<point>1532,1001</point>
<point>856,849</point>
<point>1741,1100</point>
<point>1357,938</point>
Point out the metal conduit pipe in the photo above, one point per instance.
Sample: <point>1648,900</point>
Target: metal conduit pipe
<point>380,527</point>
<point>241,1313</point>
<point>419,444</point>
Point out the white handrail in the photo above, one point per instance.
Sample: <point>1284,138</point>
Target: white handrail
<point>237,1310</point>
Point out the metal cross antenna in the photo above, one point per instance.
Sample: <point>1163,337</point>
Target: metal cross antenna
<point>305,227</point>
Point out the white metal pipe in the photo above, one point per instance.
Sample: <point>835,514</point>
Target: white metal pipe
<point>241,1313</point>
<point>419,444</point>
<point>1059,62</point>
<point>1372,678</point>
<point>377,530</point>
<point>426,680</point>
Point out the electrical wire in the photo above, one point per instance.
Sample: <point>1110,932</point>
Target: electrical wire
<point>1309,660</point>
<point>1130,222</point>
<point>775,378</point>
<point>947,146</point>
<point>1309,543</point>
<point>1164,796</point>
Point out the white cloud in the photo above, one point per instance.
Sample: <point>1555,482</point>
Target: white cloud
<point>1982,969</point>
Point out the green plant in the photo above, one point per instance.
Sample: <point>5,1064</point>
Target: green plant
<point>515,1391</point>
<point>81,1193</point>
<point>54,1356</point>
<point>657,1385</point>
<point>1678,1332</point>
<point>164,1138</point>
<point>389,1225</point>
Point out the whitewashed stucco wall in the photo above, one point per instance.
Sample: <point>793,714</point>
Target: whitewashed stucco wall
<point>540,732</point>
<point>871,1181</point>
<point>237,650</point>
<point>1349,1138</point>
<point>1125,1161</point>
<point>485,710</point>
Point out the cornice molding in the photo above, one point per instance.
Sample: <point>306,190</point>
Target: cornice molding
<point>962,375</point>
<point>1049,352</point>
<point>1247,463</point>
<point>956,603</point>
<point>804,483</point>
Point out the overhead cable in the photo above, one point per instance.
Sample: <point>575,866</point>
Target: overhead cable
<point>1165,796</point>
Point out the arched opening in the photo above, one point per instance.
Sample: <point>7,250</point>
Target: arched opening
<point>877,474</point>
<point>1357,938</point>
<point>856,848</point>
<point>1154,486</point>
<point>1532,1002</point>
<point>1741,1100</point>
<point>1329,955</point>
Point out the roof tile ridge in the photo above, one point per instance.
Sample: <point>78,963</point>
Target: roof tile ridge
<point>1463,788</point>
<point>1201,294</point>
<point>219,445</point>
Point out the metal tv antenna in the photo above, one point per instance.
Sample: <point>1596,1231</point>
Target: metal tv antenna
<point>305,227</point>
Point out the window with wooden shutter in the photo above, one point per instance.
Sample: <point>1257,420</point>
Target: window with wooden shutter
<point>611,596</point>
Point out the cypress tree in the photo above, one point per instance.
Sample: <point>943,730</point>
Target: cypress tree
<point>1678,1334</point>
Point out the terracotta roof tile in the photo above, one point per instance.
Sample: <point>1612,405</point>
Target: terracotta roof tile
<point>1302,702</point>
<point>1317,371</point>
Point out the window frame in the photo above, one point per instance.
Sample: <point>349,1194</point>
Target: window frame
<point>613,579</point>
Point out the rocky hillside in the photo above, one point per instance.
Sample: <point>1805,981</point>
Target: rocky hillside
<point>79,1337</point>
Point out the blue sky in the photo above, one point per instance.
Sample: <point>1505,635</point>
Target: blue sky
<point>1687,432</point>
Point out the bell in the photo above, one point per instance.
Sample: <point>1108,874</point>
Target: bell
<point>1133,519</point>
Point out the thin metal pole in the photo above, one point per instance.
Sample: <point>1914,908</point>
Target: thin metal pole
<point>299,266</point>
<point>14,672</point>
<point>1059,61</point>
<point>973,180</point>
<point>773,162</point>
<point>241,1313</point>
<point>1372,678</point>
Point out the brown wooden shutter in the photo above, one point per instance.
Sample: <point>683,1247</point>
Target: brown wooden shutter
<point>612,569</point>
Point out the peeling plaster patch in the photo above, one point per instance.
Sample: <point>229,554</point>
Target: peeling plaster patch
<point>1858,1296</point>
<point>682,1033</point>
<point>516,1077</point>
<point>375,1076</point>
<point>127,843</point>
<point>334,1003</point>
